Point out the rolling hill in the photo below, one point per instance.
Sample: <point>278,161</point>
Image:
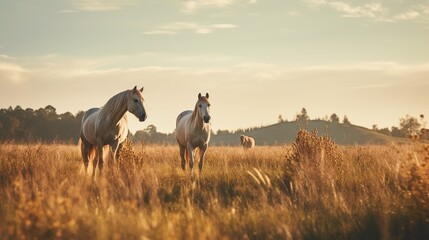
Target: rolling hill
<point>285,133</point>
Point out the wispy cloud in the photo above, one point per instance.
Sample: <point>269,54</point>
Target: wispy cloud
<point>408,15</point>
<point>369,10</point>
<point>100,5</point>
<point>415,13</point>
<point>12,72</point>
<point>5,57</point>
<point>177,27</point>
<point>376,11</point>
<point>194,5</point>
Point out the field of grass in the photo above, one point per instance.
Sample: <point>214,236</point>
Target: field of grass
<point>313,189</point>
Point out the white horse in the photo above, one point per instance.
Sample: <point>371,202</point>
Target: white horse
<point>109,126</point>
<point>193,131</point>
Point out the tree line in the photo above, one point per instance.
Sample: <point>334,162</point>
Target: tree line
<point>40,125</point>
<point>46,125</point>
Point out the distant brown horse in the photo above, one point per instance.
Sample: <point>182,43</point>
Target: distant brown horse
<point>247,142</point>
<point>108,126</point>
<point>193,131</point>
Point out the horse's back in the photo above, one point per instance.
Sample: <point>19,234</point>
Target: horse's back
<point>89,113</point>
<point>182,115</point>
<point>181,126</point>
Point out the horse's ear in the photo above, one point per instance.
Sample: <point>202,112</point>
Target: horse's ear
<point>135,88</point>
<point>207,95</point>
<point>141,89</point>
<point>199,95</point>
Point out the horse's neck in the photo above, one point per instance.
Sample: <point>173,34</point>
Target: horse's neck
<point>117,111</point>
<point>197,121</point>
<point>118,117</point>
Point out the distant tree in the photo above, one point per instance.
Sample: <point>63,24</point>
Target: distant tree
<point>79,116</point>
<point>334,118</point>
<point>14,126</point>
<point>280,119</point>
<point>385,131</point>
<point>302,118</point>
<point>51,110</point>
<point>66,116</point>
<point>346,120</point>
<point>423,121</point>
<point>409,124</point>
<point>375,127</point>
<point>140,136</point>
<point>396,132</point>
<point>151,135</point>
<point>219,132</point>
<point>304,114</point>
<point>151,130</point>
<point>48,113</point>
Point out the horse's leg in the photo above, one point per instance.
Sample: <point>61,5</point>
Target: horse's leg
<point>112,153</point>
<point>182,155</point>
<point>202,154</point>
<point>191,156</point>
<point>85,146</point>
<point>100,159</point>
<point>118,151</point>
<point>94,163</point>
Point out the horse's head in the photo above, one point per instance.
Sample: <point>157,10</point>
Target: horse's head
<point>203,106</point>
<point>135,104</point>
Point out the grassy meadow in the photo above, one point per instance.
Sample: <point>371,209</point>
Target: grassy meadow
<point>313,189</point>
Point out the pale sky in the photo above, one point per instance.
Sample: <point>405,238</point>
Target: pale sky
<point>257,59</point>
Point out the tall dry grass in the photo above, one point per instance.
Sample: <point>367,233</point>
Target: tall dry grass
<point>311,190</point>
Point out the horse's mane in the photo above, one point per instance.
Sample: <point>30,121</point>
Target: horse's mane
<point>201,99</point>
<point>115,103</point>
